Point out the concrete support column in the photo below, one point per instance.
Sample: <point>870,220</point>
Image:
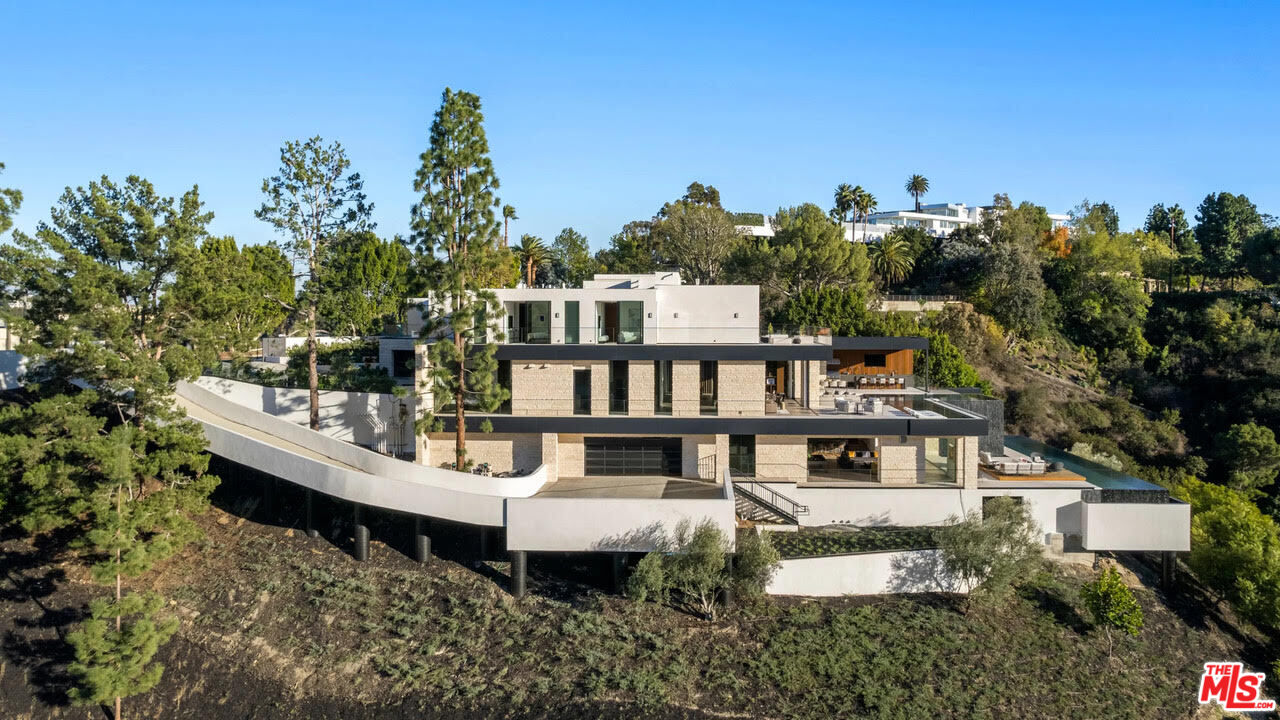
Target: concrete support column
<point>310,522</point>
<point>362,534</point>
<point>269,499</point>
<point>484,543</point>
<point>519,562</point>
<point>421,539</point>
<point>1168,569</point>
<point>618,562</point>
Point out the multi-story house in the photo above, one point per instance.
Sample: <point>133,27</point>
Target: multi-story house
<point>937,219</point>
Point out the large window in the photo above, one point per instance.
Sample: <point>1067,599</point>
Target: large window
<point>707,387</point>
<point>874,360</point>
<point>534,322</point>
<point>662,387</point>
<point>504,381</point>
<point>631,322</point>
<point>618,387</point>
<point>571,322</point>
<point>742,454</point>
<point>940,461</point>
<point>401,363</point>
<point>581,392</point>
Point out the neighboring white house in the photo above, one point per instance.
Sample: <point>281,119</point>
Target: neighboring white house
<point>937,219</point>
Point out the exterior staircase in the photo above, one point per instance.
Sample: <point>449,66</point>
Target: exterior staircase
<point>757,502</point>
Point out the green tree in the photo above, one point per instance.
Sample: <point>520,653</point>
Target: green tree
<point>1100,282</point>
<point>533,256</point>
<point>1223,223</point>
<point>456,231</point>
<point>755,561</point>
<point>115,647</point>
<point>363,284</point>
<point>1011,288</point>
<point>313,201</point>
<point>845,197</point>
<point>991,550</point>
<point>704,195</point>
<point>807,251</point>
<point>1248,456</point>
<point>571,258</point>
<point>697,237</point>
<point>1112,605</point>
<point>891,258</point>
<point>1170,222</point>
<point>632,250</point>
<point>946,364</point>
<point>239,294</point>
<point>116,463</point>
<point>696,567</point>
<point>865,204</point>
<point>10,201</point>
<point>1235,549</point>
<point>917,185</point>
<point>1262,255</point>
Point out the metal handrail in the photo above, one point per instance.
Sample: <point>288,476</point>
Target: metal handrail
<point>762,491</point>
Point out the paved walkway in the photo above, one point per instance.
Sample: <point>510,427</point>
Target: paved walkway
<point>197,412</point>
<point>638,486</point>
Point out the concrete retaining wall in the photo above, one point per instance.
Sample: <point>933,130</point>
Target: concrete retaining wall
<point>908,571</point>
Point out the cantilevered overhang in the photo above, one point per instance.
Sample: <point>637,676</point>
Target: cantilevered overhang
<point>708,351</point>
<point>879,343</point>
<point>811,425</point>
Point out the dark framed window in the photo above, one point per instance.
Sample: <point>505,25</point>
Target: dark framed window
<point>581,392</point>
<point>708,393</point>
<point>571,322</point>
<point>662,387</point>
<point>504,381</point>
<point>876,360</point>
<point>742,454</point>
<point>401,363</point>
<point>618,380</point>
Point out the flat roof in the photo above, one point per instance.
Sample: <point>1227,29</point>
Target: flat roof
<point>654,351</point>
<point>842,342</point>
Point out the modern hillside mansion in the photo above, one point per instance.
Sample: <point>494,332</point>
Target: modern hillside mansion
<point>937,219</point>
<point>639,403</point>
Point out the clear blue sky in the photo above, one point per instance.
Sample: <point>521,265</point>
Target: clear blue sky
<point>597,115</point>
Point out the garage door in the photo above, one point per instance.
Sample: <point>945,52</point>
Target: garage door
<point>632,456</point>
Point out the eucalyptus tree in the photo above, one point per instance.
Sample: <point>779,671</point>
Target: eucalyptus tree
<point>455,231</point>
<point>313,201</point>
<point>917,185</point>
<point>698,237</point>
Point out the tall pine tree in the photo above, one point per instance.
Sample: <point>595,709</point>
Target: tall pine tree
<point>457,234</point>
<point>314,201</point>
<point>116,462</point>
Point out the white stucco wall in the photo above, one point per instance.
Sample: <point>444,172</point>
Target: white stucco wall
<point>863,574</point>
<point>367,419</point>
<point>1135,527</point>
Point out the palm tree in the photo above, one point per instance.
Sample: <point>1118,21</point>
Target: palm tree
<point>891,258</point>
<point>533,254</point>
<point>845,198</point>
<point>863,204</point>
<point>917,185</point>
<point>508,214</point>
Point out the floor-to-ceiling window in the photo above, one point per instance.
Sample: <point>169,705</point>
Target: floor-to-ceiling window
<point>581,391</point>
<point>571,322</point>
<point>618,378</point>
<point>707,390</point>
<point>940,464</point>
<point>742,454</point>
<point>534,322</point>
<point>662,387</point>
<point>504,381</point>
<point>631,321</point>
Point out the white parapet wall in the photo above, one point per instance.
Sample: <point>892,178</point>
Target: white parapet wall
<point>906,571</point>
<point>561,524</point>
<point>367,419</point>
<point>1136,527</point>
<point>319,462</point>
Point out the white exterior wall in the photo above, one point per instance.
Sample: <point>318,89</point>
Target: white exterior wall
<point>276,349</point>
<point>1133,527</point>
<point>907,571</point>
<point>345,416</point>
<point>1054,509</point>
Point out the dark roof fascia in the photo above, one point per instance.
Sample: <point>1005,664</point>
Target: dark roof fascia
<point>714,425</point>
<point>709,351</point>
<point>879,343</point>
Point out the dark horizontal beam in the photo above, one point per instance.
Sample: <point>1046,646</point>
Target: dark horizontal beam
<point>709,351</point>
<point>713,425</point>
<point>879,343</point>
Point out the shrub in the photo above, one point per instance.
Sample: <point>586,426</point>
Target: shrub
<point>1235,549</point>
<point>696,570</point>
<point>754,564</point>
<point>1112,605</point>
<point>989,552</point>
<point>648,580</point>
